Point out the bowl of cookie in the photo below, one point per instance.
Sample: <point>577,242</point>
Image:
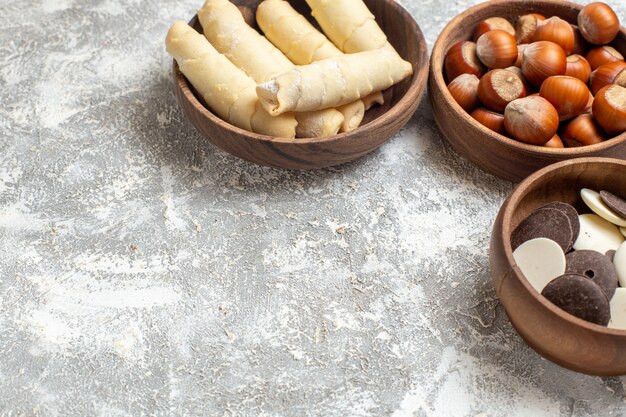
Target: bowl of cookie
<point>558,263</point>
<point>300,84</point>
<point>518,85</point>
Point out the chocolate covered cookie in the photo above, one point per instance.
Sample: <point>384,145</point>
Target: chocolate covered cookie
<point>570,212</point>
<point>580,297</point>
<point>595,266</point>
<point>617,204</point>
<point>549,223</point>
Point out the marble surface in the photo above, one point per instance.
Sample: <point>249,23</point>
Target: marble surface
<point>145,272</point>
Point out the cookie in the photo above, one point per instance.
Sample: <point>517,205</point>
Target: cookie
<point>540,260</point>
<point>580,297</point>
<point>548,223</point>
<point>570,212</point>
<point>617,204</point>
<point>619,261</point>
<point>597,205</point>
<point>595,266</point>
<point>611,254</point>
<point>597,234</point>
<point>618,310</point>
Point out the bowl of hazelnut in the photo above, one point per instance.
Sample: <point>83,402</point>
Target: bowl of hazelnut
<point>519,85</point>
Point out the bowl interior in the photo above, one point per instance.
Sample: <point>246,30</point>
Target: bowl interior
<point>562,182</point>
<point>461,29</point>
<point>400,28</point>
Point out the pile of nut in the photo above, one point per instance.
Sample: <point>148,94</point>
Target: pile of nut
<point>543,82</point>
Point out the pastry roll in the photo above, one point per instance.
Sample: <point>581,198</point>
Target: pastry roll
<point>293,34</point>
<point>333,82</point>
<point>225,88</point>
<point>303,44</point>
<point>348,24</point>
<point>374,98</point>
<point>351,26</point>
<point>227,30</point>
<point>353,114</point>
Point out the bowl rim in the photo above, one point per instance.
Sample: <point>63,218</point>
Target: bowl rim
<point>521,191</point>
<point>412,95</point>
<point>436,68</point>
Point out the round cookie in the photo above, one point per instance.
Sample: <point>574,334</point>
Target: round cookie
<point>595,266</point>
<point>580,297</point>
<point>597,234</point>
<point>540,260</point>
<point>597,205</point>
<point>570,212</point>
<point>617,204</point>
<point>611,254</point>
<point>618,310</point>
<point>549,223</point>
<point>619,260</point>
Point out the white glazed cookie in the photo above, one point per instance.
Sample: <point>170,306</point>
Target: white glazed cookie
<point>226,29</point>
<point>540,260</point>
<point>619,260</point>
<point>593,200</point>
<point>225,88</point>
<point>597,234</point>
<point>618,310</point>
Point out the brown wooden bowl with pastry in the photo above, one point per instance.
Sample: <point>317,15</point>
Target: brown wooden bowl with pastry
<point>552,321</point>
<point>268,83</point>
<point>517,85</point>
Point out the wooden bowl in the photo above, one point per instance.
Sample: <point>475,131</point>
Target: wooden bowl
<point>380,122</point>
<point>495,153</point>
<point>553,333</point>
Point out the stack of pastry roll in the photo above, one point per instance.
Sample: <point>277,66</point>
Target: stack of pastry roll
<point>226,29</point>
<point>302,44</point>
<point>306,85</point>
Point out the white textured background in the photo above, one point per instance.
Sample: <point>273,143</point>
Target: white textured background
<point>145,272</point>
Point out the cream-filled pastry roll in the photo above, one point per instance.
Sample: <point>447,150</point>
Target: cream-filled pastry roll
<point>333,82</point>
<point>226,29</point>
<point>225,88</point>
<point>298,39</point>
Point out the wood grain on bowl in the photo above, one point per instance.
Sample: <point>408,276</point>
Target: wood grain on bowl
<point>380,122</point>
<point>493,152</point>
<point>556,335</point>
